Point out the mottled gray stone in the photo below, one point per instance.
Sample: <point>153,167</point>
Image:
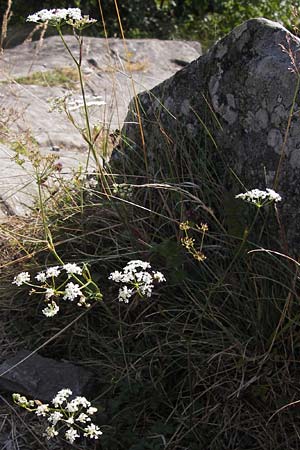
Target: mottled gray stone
<point>246,82</point>
<point>41,378</point>
<point>275,139</point>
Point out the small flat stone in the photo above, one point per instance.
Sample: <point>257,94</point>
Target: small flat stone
<point>41,378</point>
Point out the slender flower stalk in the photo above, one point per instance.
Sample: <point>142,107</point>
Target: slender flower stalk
<point>74,18</point>
<point>77,283</point>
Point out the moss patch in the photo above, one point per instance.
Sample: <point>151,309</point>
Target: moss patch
<point>64,76</point>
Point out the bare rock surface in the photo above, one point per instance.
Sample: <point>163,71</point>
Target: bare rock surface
<point>18,185</point>
<point>112,70</point>
<point>41,378</point>
<point>243,91</point>
<point>17,188</point>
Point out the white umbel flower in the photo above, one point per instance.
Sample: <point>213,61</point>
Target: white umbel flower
<point>158,276</point>
<point>71,435</point>
<point>70,420</point>
<point>42,410</point>
<point>260,198</point>
<point>52,272</point>
<point>49,293</point>
<point>77,403</point>
<point>116,276</point>
<point>83,418</point>
<point>72,417</point>
<point>135,263</point>
<point>125,293</point>
<point>92,431</point>
<point>51,309</point>
<point>55,417</point>
<point>61,397</point>
<point>55,15</point>
<point>58,17</point>
<point>50,432</point>
<point>72,291</point>
<point>72,269</point>
<point>91,410</point>
<point>21,278</point>
<point>138,278</point>
<point>72,407</point>
<point>41,277</point>
<point>82,401</point>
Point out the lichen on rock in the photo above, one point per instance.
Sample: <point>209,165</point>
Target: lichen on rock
<point>242,92</point>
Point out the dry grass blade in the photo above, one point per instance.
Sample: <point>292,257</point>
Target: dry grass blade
<point>5,20</point>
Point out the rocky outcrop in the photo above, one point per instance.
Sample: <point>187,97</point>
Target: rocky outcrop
<point>41,378</point>
<point>17,190</point>
<point>239,96</point>
<point>111,70</point>
<point>18,184</point>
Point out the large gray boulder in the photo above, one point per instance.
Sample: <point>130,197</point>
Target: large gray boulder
<point>238,95</point>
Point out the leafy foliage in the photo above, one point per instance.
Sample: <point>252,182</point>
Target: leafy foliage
<point>205,20</point>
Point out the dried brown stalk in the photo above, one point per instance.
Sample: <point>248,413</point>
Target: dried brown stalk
<point>6,18</point>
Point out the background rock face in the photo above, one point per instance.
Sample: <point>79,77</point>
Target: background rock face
<point>243,90</point>
<point>107,66</point>
<point>12,200</point>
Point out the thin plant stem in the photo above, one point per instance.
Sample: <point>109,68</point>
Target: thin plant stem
<point>88,137</point>
<point>47,232</point>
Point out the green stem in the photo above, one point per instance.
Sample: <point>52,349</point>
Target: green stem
<point>41,205</point>
<point>88,138</point>
<point>66,45</point>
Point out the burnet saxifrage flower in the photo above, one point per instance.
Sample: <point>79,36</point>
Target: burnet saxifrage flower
<point>260,198</point>
<point>72,417</point>
<point>57,17</point>
<point>138,278</point>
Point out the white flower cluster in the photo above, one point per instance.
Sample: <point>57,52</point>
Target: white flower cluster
<point>71,414</point>
<point>260,198</point>
<point>71,16</point>
<point>66,290</point>
<point>138,278</point>
<point>21,278</point>
<point>55,15</point>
